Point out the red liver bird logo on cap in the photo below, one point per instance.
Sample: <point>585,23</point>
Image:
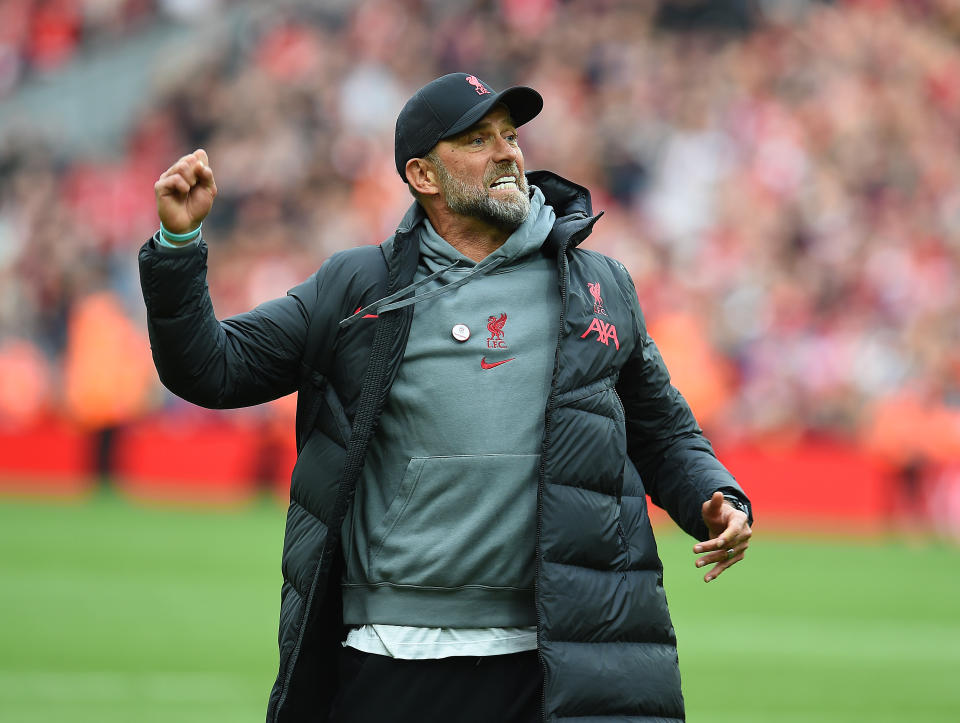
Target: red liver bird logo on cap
<point>477,85</point>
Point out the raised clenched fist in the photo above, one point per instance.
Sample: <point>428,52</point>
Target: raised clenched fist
<point>185,192</point>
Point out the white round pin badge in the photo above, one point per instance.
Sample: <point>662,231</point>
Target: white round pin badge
<point>461,332</point>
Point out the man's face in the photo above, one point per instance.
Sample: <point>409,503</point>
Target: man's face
<point>480,172</point>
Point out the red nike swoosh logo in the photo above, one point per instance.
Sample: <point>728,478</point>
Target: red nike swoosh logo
<point>488,365</point>
<point>366,316</point>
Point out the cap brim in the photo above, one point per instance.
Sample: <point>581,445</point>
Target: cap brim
<point>523,103</point>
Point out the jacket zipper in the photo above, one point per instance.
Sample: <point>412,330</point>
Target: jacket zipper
<point>543,471</point>
<point>377,367</point>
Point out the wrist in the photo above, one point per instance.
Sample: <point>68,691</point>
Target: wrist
<point>164,246</point>
<point>179,239</point>
<point>737,504</point>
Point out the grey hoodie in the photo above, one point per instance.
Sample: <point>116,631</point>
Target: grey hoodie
<point>442,528</point>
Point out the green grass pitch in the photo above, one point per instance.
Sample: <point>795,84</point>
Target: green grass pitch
<point>112,611</point>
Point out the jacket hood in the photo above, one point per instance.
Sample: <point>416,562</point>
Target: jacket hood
<point>569,200</point>
<point>436,252</point>
<point>572,204</point>
<point>566,197</point>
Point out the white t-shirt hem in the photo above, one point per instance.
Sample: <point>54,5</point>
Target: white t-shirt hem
<point>414,643</point>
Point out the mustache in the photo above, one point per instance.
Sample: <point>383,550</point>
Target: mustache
<point>505,169</point>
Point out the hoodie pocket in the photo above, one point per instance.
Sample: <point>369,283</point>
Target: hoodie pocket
<point>458,521</point>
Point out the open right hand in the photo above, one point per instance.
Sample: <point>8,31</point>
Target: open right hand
<point>185,192</point>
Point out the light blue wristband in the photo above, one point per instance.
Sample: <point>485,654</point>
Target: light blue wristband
<point>179,238</point>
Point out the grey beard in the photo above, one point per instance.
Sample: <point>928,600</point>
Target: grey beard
<point>476,202</point>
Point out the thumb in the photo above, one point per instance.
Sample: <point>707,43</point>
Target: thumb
<point>712,507</point>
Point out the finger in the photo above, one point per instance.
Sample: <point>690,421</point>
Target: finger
<point>737,531</point>
<point>721,555</point>
<point>712,512</point>
<point>705,546</point>
<point>182,162</point>
<point>172,171</point>
<point>172,185</point>
<point>730,536</point>
<point>182,168</point>
<point>718,569</point>
<point>188,168</point>
<point>201,155</point>
<point>211,185</point>
<point>726,539</point>
<point>712,506</point>
<point>205,178</point>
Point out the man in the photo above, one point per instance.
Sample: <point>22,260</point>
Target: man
<point>480,415</point>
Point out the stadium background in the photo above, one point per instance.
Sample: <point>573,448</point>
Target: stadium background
<point>781,177</point>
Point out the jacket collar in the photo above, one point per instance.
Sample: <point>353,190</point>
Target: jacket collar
<point>402,250</point>
<point>571,202</point>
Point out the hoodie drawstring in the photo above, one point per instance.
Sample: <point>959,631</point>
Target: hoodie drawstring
<point>388,303</point>
<point>477,271</point>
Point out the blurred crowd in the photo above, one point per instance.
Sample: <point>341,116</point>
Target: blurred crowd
<point>785,192</point>
<point>39,37</point>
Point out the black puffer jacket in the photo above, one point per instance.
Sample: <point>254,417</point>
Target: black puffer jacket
<point>605,638</point>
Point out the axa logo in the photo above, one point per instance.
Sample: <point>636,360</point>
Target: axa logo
<point>605,332</point>
<point>477,85</point>
<point>495,326</point>
<point>594,288</point>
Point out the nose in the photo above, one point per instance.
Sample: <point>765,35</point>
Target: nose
<point>503,150</point>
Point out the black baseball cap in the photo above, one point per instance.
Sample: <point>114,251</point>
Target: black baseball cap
<point>449,105</point>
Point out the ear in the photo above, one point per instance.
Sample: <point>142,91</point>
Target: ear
<point>422,176</point>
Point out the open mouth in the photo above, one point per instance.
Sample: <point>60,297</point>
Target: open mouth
<point>505,183</point>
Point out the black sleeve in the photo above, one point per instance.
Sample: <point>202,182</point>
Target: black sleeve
<point>241,361</point>
<point>676,462</point>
